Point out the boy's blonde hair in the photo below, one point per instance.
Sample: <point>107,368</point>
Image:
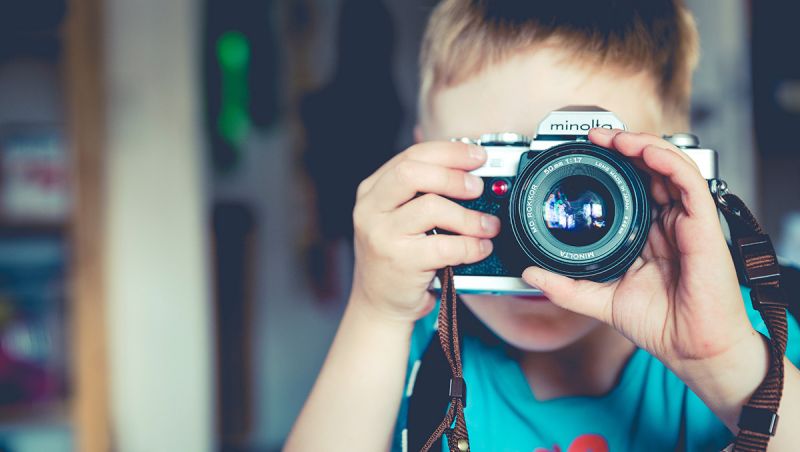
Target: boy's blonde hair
<point>464,37</point>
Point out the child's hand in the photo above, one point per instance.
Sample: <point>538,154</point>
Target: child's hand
<point>395,259</point>
<point>680,300</point>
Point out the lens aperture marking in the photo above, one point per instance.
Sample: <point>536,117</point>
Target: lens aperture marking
<point>529,210</point>
<point>561,163</point>
<point>623,188</point>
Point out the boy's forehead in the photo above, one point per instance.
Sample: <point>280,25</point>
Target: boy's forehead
<point>514,95</point>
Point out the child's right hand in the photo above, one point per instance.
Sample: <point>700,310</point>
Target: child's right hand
<point>395,259</point>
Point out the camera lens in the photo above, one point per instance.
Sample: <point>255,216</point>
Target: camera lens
<point>580,210</point>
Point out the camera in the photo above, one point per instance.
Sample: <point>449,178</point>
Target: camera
<point>565,204</point>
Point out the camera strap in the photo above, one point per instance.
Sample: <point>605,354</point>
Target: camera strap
<point>758,264</point>
<point>453,426</point>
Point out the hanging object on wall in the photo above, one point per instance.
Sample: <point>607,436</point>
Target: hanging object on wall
<point>241,73</point>
<point>233,122</point>
<point>33,176</point>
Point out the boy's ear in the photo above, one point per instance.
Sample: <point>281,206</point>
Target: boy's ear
<point>418,136</point>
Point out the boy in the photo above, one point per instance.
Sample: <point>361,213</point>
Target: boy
<point>661,359</point>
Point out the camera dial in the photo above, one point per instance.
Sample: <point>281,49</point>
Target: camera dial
<point>504,139</point>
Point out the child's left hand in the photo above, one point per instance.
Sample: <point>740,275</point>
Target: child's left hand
<point>680,300</point>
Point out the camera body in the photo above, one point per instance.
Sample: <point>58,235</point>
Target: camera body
<point>565,204</point>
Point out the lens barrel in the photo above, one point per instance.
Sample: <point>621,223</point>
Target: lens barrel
<point>580,210</point>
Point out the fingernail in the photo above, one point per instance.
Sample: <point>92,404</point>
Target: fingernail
<point>477,152</point>
<point>486,246</point>
<point>603,131</point>
<point>490,223</point>
<point>531,276</point>
<point>473,183</point>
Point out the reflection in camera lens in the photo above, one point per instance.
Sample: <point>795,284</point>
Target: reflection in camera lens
<point>578,211</point>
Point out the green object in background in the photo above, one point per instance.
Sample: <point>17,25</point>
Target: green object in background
<point>233,55</point>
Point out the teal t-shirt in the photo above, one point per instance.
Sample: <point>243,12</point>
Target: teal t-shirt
<point>648,409</point>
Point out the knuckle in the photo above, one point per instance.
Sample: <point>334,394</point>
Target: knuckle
<point>445,150</point>
<point>653,147</point>
<point>627,138</point>
<point>374,242</point>
<point>463,250</point>
<point>445,249</point>
<point>428,204</point>
<point>460,149</point>
<point>619,137</point>
<point>667,145</point>
<point>415,150</point>
<point>457,150</point>
<point>391,252</point>
<point>472,219</point>
<point>362,188</point>
<point>455,181</point>
<point>359,216</point>
<point>471,249</point>
<point>405,171</point>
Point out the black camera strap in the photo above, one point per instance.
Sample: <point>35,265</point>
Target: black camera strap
<point>758,264</point>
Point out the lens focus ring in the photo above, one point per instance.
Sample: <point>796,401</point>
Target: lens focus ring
<point>580,210</point>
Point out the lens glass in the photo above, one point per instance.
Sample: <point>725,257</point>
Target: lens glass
<point>578,210</point>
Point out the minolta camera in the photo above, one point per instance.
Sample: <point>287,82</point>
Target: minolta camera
<point>565,204</point>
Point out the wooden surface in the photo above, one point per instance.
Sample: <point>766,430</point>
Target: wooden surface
<point>83,73</point>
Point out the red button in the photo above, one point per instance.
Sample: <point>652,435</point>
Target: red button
<point>500,187</point>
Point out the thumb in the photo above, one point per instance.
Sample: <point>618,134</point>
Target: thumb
<point>581,296</point>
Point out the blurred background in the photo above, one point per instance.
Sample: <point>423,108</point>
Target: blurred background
<point>176,180</point>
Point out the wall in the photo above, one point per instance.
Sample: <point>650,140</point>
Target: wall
<point>158,298</point>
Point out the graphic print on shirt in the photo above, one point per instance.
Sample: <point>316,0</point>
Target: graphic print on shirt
<point>589,442</point>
